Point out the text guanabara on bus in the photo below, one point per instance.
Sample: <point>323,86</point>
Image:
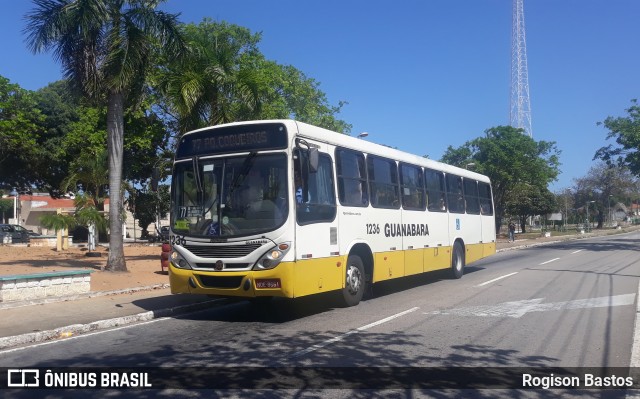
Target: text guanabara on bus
<point>281,208</point>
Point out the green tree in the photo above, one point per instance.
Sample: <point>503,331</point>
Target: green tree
<point>89,171</point>
<point>289,93</point>
<point>225,78</point>
<point>144,210</point>
<point>19,129</point>
<point>104,47</point>
<point>60,111</point>
<point>210,86</point>
<point>626,132</point>
<point>511,159</point>
<point>566,204</point>
<point>87,134</point>
<point>85,214</point>
<point>526,200</point>
<point>6,209</point>
<point>146,141</point>
<point>606,185</point>
<point>147,206</point>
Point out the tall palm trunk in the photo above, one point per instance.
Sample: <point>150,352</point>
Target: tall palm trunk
<point>115,146</point>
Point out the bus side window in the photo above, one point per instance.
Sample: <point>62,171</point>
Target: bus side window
<point>455,194</point>
<point>471,196</point>
<point>321,203</point>
<point>353,192</point>
<point>436,201</point>
<point>486,205</point>
<point>383,182</point>
<point>412,184</point>
<point>352,178</point>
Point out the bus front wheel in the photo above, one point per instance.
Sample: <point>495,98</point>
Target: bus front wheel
<point>457,261</point>
<point>355,281</point>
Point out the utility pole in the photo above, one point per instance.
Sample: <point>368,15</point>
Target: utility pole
<point>566,209</point>
<point>520,111</point>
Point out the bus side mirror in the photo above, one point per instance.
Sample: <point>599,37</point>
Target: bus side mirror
<point>313,160</point>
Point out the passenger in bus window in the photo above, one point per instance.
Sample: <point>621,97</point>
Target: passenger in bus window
<point>245,195</point>
<point>303,206</point>
<point>258,208</point>
<point>484,208</point>
<point>354,194</point>
<point>298,184</point>
<point>281,200</point>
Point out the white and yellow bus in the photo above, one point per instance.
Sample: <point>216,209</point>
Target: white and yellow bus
<point>281,208</point>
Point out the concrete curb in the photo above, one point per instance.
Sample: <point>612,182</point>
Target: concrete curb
<point>93,294</point>
<point>533,244</point>
<point>564,239</point>
<point>77,329</point>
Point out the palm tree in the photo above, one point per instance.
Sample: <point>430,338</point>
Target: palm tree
<point>90,170</point>
<point>210,85</point>
<point>104,47</point>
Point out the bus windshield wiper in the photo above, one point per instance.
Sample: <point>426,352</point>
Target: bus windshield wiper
<point>196,172</point>
<point>244,171</point>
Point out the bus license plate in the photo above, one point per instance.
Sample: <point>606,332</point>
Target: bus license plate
<point>268,283</point>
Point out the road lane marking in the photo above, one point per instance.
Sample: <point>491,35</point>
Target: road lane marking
<point>496,279</point>
<point>575,252</point>
<point>517,309</point>
<point>635,351</point>
<point>357,330</point>
<point>549,261</point>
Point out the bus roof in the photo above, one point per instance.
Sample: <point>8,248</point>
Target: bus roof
<point>354,143</point>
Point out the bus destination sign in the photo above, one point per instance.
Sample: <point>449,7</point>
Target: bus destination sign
<point>233,139</point>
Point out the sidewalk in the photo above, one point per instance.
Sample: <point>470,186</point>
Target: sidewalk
<point>35,321</point>
<point>31,323</point>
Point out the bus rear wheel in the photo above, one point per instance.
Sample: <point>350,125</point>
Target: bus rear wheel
<point>355,281</point>
<point>457,261</point>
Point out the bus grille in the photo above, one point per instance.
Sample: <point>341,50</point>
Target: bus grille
<point>221,282</point>
<point>217,252</point>
<point>227,266</point>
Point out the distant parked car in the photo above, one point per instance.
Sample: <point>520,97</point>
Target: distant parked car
<point>17,233</point>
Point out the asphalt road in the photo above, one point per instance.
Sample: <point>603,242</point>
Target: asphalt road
<point>557,307</point>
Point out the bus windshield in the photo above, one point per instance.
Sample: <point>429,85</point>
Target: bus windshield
<point>232,196</point>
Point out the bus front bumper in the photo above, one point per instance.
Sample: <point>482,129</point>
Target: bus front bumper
<point>275,282</point>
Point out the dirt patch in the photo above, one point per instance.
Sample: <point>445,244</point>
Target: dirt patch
<point>143,264</point>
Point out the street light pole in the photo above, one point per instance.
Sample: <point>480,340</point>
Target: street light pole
<point>609,209</point>
<point>588,221</point>
<point>16,199</point>
<point>566,209</point>
<point>156,176</point>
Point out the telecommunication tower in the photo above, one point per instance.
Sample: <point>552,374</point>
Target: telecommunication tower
<point>520,112</point>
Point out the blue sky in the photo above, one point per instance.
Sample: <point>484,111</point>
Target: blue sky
<point>421,75</point>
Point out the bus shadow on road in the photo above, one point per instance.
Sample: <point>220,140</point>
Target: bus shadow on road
<point>282,310</point>
<point>385,288</point>
<point>277,310</point>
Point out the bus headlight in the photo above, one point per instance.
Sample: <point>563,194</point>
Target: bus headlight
<point>178,261</point>
<point>273,257</point>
